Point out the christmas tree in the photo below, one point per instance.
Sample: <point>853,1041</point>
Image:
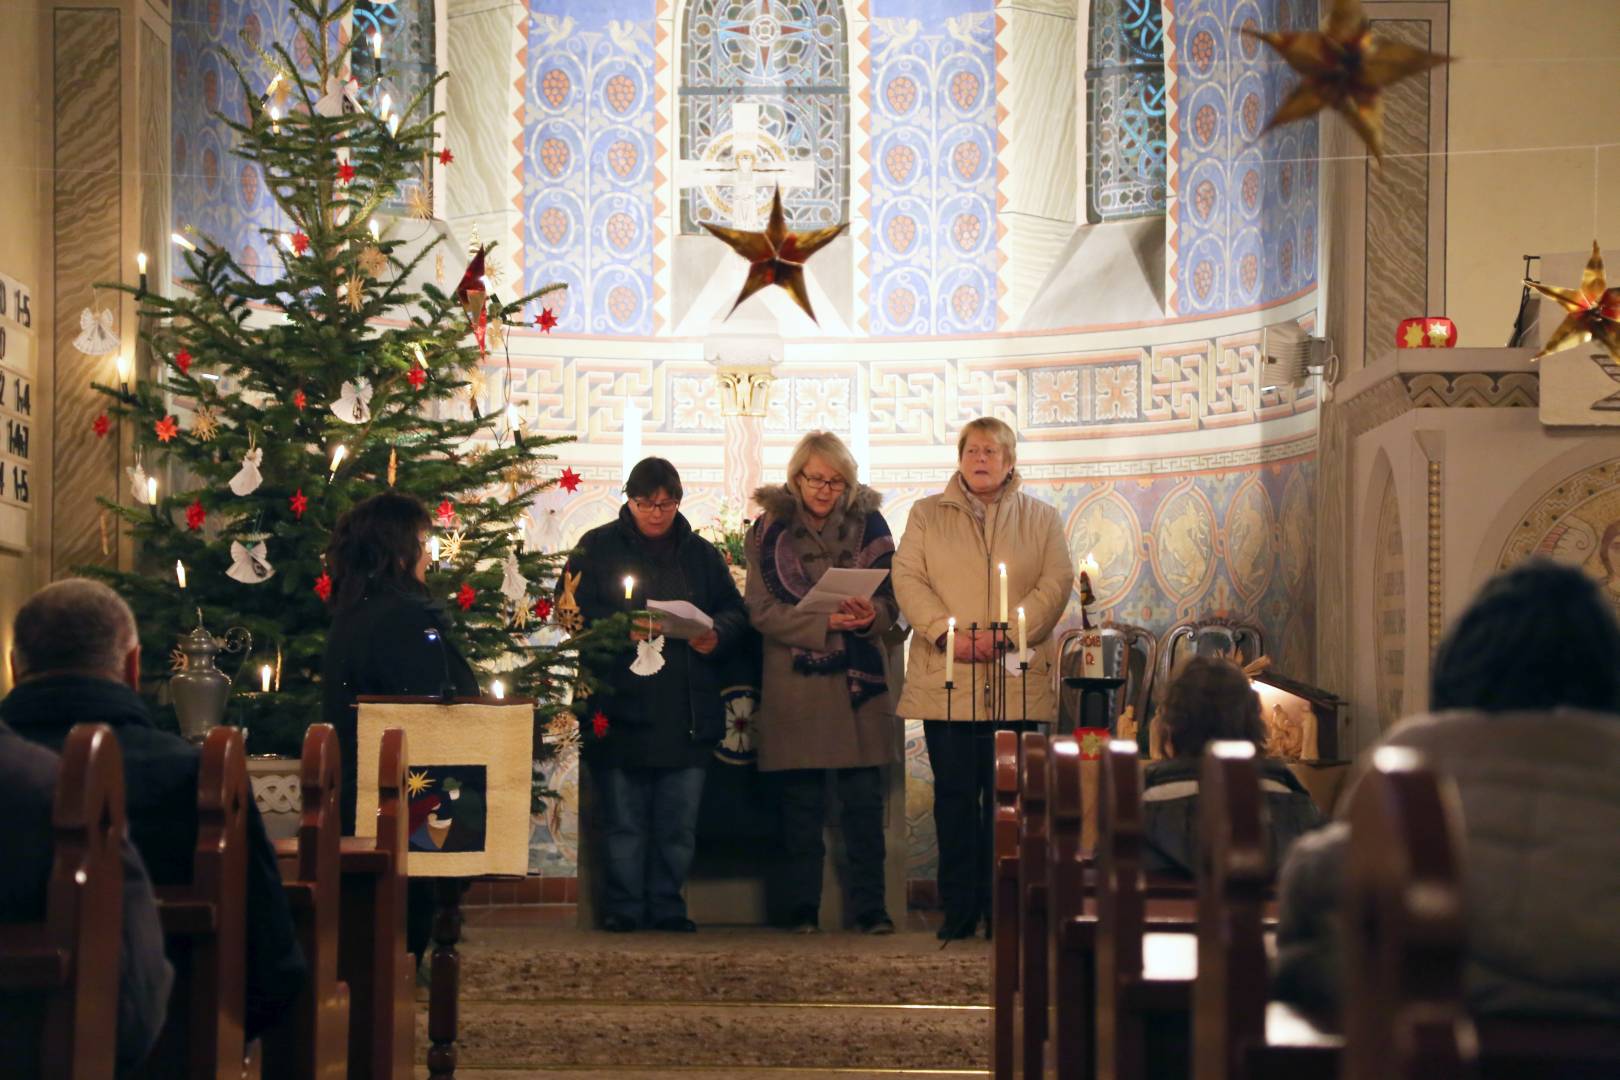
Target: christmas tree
<point>278,404</point>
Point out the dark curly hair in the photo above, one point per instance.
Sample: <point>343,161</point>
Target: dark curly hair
<point>1537,636</point>
<point>1210,698</point>
<point>377,539</point>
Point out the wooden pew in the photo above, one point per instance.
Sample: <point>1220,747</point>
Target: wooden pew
<point>1143,980</point>
<point>1004,908</point>
<point>372,959</point>
<point>1032,921</point>
<point>1072,933</point>
<point>205,926</point>
<point>1232,1036</point>
<point>67,962</point>
<point>311,1042</point>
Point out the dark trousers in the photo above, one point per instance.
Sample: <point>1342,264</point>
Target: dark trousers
<point>803,794</point>
<point>649,834</point>
<point>963,757</point>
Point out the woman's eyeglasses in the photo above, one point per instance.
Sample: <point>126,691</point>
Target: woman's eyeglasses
<point>668,506</point>
<point>822,483</point>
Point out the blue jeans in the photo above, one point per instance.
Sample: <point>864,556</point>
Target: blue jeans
<point>649,829</point>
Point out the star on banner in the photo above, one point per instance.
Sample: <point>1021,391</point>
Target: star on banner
<point>1345,68</point>
<point>1593,311</point>
<point>777,255</point>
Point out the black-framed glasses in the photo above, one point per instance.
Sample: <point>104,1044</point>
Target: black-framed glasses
<point>647,506</point>
<point>822,483</point>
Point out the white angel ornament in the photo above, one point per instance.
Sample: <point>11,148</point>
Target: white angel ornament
<point>249,564</point>
<point>513,584</point>
<point>96,337</point>
<point>340,98</point>
<point>353,405</point>
<point>649,656</point>
<point>247,478</point>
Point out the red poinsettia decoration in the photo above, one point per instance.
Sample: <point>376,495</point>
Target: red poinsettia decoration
<point>542,609</point>
<point>545,320</point>
<point>101,425</point>
<point>466,596</point>
<point>570,480</point>
<point>416,377</point>
<point>300,242</point>
<point>323,586</point>
<point>299,503</point>
<point>182,360</point>
<point>166,428</point>
<point>445,156</point>
<point>345,172</point>
<point>299,400</point>
<point>195,515</point>
<point>599,724</point>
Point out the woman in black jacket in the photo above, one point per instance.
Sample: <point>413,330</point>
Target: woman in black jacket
<point>387,637</point>
<point>648,738</point>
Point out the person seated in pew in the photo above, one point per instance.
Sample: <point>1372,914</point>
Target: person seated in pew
<point>76,658</point>
<point>27,850</point>
<point>1210,699</point>
<point>1525,718</point>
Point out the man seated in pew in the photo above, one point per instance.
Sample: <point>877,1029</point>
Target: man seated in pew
<point>76,658</point>
<point>26,852</point>
<point>1210,699</point>
<point>1525,718</point>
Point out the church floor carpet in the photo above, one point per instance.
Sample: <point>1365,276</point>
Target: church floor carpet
<point>740,1003</point>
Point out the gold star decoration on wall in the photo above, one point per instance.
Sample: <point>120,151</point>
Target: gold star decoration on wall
<point>776,256</point>
<point>1593,311</point>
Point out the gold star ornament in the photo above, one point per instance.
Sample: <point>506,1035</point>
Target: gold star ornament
<point>1345,68</point>
<point>776,256</point>
<point>1594,311</point>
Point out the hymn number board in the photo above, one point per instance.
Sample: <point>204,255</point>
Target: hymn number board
<point>16,411</point>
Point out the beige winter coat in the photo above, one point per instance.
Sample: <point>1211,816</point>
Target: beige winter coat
<point>947,566</point>
<point>807,720</point>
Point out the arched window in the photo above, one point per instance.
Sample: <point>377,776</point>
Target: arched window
<point>791,58</point>
<point>409,57</point>
<point>1125,110</point>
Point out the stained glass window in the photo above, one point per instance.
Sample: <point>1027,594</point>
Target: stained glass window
<point>1125,110</point>
<point>791,57</point>
<point>410,60</point>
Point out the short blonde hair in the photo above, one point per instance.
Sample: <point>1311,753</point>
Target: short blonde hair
<point>830,447</point>
<point>997,430</point>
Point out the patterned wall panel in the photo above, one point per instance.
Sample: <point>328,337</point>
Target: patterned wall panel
<point>1246,205</point>
<point>590,161</point>
<point>1389,609</point>
<point>1576,522</point>
<point>934,264</point>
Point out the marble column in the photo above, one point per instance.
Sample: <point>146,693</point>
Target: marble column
<point>744,460</point>
<point>483,103</point>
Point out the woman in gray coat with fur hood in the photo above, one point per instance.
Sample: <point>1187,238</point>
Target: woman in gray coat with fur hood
<point>824,699</point>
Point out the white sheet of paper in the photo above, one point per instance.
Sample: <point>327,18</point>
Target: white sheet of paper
<point>681,620</point>
<point>840,583</point>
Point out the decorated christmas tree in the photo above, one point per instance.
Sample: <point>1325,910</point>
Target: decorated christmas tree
<point>281,399</point>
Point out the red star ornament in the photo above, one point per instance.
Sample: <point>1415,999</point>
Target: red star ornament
<point>776,256</point>
<point>323,586</point>
<point>165,428</point>
<point>445,515</point>
<point>416,377</point>
<point>299,503</point>
<point>300,243</point>
<point>299,400</point>
<point>599,724</point>
<point>101,425</point>
<point>466,597</point>
<point>195,515</point>
<point>1593,311</point>
<point>345,172</point>
<point>570,480</point>
<point>542,609</point>
<point>545,320</point>
<point>182,360</point>
<point>445,156</point>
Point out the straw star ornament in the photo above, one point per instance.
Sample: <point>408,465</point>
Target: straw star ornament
<point>777,255</point>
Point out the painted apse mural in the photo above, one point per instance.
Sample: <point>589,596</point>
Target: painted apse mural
<point>1193,485</point>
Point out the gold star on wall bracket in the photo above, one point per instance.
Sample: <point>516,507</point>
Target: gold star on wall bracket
<point>1345,68</point>
<point>776,256</point>
<point>1594,311</point>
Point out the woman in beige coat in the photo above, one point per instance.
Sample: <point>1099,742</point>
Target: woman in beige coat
<point>824,695</point>
<point>949,567</point>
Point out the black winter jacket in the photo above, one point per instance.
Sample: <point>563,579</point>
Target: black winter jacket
<point>673,718</point>
<point>1170,814</point>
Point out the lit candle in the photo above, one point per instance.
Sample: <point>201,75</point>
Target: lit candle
<point>1088,565</point>
<point>375,231</point>
<point>180,572</point>
<point>1003,594</point>
<point>629,588</point>
<point>433,549</point>
<point>125,368</point>
<point>275,120</point>
<point>337,459</point>
<point>140,268</point>
<point>151,491</point>
<point>182,241</point>
<point>1023,640</point>
<point>498,689</point>
<point>393,123</point>
<point>950,649</point>
<point>387,104</point>
<point>376,44</point>
<point>264,678</point>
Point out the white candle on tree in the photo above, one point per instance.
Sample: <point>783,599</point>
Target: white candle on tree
<point>629,588</point>
<point>180,572</point>
<point>950,649</point>
<point>264,678</point>
<point>1003,594</point>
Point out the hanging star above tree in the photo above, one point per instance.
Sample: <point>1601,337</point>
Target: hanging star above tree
<point>1594,311</point>
<point>569,481</point>
<point>1345,68</point>
<point>777,255</point>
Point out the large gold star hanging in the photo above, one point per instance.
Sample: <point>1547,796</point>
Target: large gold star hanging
<point>1345,68</point>
<point>1594,311</point>
<point>776,256</point>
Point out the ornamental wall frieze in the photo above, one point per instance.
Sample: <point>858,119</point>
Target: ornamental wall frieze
<point>1474,390</point>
